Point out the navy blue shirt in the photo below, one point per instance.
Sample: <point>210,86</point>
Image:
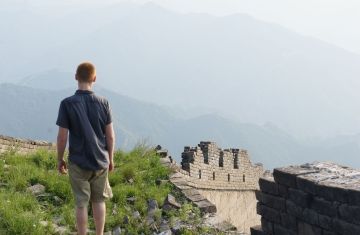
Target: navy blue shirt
<point>86,116</point>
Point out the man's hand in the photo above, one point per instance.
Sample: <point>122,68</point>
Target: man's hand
<point>111,166</point>
<point>110,141</point>
<point>62,168</point>
<point>61,144</point>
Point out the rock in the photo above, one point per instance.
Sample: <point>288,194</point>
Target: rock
<point>126,219</point>
<point>167,232</point>
<point>162,153</point>
<point>130,181</point>
<point>116,230</point>
<point>177,226</point>
<point>131,200</point>
<point>136,215</point>
<point>36,189</point>
<point>57,200</point>
<point>161,182</point>
<point>44,223</point>
<point>149,220</point>
<point>114,210</point>
<point>170,200</point>
<point>60,229</point>
<point>158,147</point>
<point>152,206</point>
<point>164,226</point>
<point>206,206</point>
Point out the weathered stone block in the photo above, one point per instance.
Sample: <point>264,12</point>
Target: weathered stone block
<point>308,229</point>
<point>267,226</point>
<point>331,192</point>
<point>325,222</point>
<point>310,216</point>
<point>287,175</point>
<point>280,230</point>
<point>306,185</point>
<point>256,230</point>
<point>350,213</point>
<point>283,191</point>
<point>206,206</point>
<point>269,213</point>
<point>293,209</point>
<point>343,227</point>
<point>284,177</point>
<point>354,197</point>
<point>299,197</point>
<point>324,207</point>
<point>288,221</point>
<point>258,194</point>
<point>268,185</point>
<point>273,201</point>
<point>325,232</point>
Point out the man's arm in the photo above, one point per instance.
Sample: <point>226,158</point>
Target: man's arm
<point>61,145</point>
<point>110,141</point>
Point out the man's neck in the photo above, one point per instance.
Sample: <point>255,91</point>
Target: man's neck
<point>84,86</point>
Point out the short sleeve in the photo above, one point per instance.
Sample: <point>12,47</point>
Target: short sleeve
<point>63,118</point>
<point>108,114</point>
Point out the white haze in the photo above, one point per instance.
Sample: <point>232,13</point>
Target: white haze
<point>334,21</point>
<point>305,86</point>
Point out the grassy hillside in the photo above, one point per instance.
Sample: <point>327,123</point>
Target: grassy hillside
<point>135,175</point>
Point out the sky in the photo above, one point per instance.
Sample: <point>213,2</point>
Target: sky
<point>333,21</point>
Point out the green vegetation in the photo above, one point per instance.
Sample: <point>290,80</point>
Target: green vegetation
<point>134,176</point>
<point>21,212</point>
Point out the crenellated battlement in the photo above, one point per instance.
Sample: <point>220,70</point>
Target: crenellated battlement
<point>209,166</point>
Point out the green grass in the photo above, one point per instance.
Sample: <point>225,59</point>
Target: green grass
<point>135,174</point>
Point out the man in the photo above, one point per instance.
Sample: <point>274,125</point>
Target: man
<point>87,118</point>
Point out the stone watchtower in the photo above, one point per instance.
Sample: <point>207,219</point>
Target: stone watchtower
<point>211,167</point>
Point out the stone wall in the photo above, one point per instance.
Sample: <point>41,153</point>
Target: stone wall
<point>227,179</point>
<point>23,146</point>
<point>211,167</point>
<point>318,198</point>
<point>235,207</point>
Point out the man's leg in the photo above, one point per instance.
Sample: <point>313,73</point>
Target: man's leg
<point>81,220</point>
<point>81,189</point>
<point>99,212</point>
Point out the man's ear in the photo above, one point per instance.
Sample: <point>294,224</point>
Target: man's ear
<point>94,79</point>
<point>76,77</point>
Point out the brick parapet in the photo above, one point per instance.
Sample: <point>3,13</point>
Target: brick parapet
<point>23,146</point>
<point>210,167</point>
<point>318,198</point>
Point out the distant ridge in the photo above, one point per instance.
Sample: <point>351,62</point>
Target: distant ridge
<point>31,113</point>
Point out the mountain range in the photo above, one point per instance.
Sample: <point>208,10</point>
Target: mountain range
<point>30,112</point>
<point>242,82</point>
<point>236,65</point>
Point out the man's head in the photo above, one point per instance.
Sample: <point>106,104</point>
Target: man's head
<point>86,73</point>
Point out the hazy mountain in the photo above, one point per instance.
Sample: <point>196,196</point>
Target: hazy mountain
<point>242,67</point>
<point>51,80</point>
<point>235,66</point>
<point>31,113</point>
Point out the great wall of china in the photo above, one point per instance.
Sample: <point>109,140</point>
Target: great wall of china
<point>23,146</point>
<point>221,180</point>
<point>311,199</point>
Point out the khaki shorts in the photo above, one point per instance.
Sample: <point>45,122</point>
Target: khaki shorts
<point>89,185</point>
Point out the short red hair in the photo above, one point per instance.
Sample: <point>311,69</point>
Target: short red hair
<point>85,72</point>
